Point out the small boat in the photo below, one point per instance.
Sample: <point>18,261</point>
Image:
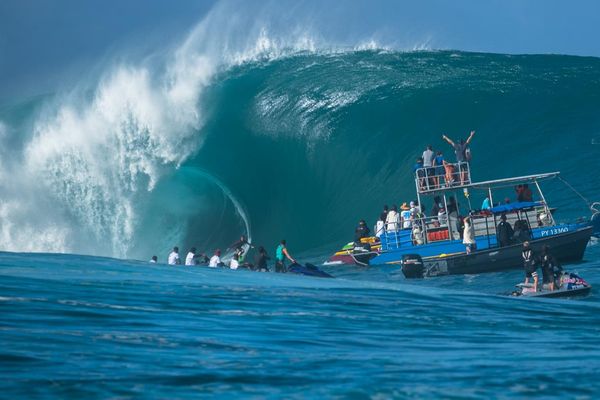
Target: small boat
<point>353,254</point>
<point>308,270</point>
<point>569,285</point>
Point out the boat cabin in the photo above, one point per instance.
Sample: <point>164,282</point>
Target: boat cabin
<point>452,193</point>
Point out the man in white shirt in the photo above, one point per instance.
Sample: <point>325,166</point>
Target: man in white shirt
<point>174,257</point>
<point>405,216</point>
<point>428,156</point>
<point>392,220</point>
<point>190,258</point>
<point>215,260</point>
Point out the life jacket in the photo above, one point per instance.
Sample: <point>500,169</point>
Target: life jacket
<point>528,257</point>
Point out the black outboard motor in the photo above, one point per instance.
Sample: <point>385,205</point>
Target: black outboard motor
<point>412,266</point>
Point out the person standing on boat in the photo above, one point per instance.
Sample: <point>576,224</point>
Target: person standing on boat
<point>380,225</point>
<point>428,157</point>
<point>522,233</point>
<point>463,155</point>
<point>487,204</point>
<point>419,172</point>
<point>438,166</point>
<point>530,265</point>
<point>405,215</point>
<point>281,254</point>
<point>393,220</point>
<point>452,213</point>
<point>527,194</point>
<point>504,232</point>
<point>469,236</point>
<point>550,268</point>
<point>361,231</point>
<point>449,169</point>
<point>385,211</point>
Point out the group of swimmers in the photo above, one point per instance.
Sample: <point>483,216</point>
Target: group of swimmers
<point>239,249</point>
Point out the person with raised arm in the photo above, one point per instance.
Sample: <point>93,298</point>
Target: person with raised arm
<point>463,154</point>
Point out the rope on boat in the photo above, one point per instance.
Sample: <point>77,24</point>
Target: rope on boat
<point>595,207</point>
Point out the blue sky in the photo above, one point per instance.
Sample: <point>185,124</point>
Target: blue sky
<point>43,42</point>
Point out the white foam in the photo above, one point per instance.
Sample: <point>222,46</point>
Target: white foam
<point>95,153</point>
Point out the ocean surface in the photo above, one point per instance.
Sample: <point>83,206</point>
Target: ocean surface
<point>297,144</point>
<point>89,327</point>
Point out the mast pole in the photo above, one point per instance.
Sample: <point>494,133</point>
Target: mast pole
<point>545,203</point>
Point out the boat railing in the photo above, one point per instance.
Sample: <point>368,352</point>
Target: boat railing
<point>443,227</point>
<point>433,178</point>
<point>418,231</point>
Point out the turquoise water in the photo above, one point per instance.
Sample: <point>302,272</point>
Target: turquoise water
<point>297,147</point>
<point>300,146</point>
<point>75,326</point>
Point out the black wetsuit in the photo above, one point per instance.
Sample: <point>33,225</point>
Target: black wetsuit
<point>260,262</point>
<point>550,268</point>
<point>529,263</point>
<point>504,233</point>
<point>361,231</point>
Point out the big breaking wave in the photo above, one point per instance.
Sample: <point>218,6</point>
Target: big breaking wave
<point>300,138</point>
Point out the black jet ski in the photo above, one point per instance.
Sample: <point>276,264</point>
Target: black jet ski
<point>568,284</point>
<point>308,270</point>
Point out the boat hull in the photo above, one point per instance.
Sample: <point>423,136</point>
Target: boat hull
<point>566,247</point>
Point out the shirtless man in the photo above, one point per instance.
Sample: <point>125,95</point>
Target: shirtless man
<point>460,149</point>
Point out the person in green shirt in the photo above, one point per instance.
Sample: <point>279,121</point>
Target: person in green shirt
<point>281,254</point>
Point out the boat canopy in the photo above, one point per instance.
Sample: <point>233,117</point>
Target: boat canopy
<point>522,205</point>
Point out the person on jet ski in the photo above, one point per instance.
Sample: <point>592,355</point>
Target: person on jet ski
<point>281,254</point>
<point>530,265</point>
<point>361,231</point>
<point>550,268</point>
<point>238,247</point>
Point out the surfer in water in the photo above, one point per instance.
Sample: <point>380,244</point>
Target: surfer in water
<point>215,261</point>
<point>281,254</point>
<point>174,257</point>
<point>260,260</point>
<point>190,259</point>
<point>238,247</point>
